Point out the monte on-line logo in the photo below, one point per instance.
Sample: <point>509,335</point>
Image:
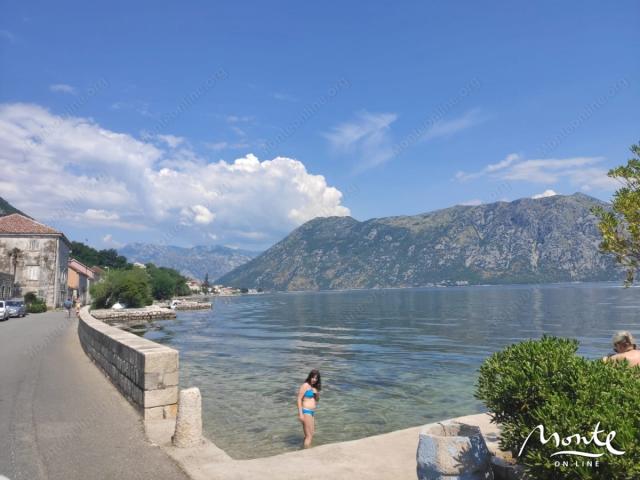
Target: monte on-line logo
<point>571,444</point>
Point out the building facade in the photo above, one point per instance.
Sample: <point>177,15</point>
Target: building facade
<point>36,256</point>
<point>6,284</point>
<point>80,278</point>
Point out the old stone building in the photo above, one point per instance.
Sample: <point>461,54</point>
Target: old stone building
<point>36,256</point>
<point>6,280</point>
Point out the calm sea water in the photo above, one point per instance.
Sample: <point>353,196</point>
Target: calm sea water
<point>390,359</point>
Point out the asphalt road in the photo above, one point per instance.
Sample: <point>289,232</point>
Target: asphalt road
<point>60,418</point>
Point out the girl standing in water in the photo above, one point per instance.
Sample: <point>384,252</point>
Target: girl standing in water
<point>308,398</point>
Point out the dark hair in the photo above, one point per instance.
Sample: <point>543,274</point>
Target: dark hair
<point>318,384</point>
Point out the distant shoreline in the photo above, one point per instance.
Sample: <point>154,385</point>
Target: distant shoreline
<point>613,283</point>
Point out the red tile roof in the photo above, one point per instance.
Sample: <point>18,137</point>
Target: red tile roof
<point>81,268</point>
<point>16,223</point>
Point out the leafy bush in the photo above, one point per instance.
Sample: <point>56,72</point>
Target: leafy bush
<point>544,382</point>
<point>30,297</point>
<point>34,303</point>
<point>131,287</point>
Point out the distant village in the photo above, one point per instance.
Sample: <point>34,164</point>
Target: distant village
<point>38,259</point>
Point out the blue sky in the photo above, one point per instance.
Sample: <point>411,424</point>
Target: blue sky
<point>123,122</point>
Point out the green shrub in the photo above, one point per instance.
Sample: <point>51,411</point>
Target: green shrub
<point>544,382</point>
<point>30,297</point>
<point>35,304</point>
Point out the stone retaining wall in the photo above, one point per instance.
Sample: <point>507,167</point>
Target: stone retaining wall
<point>133,314</point>
<point>145,372</point>
<point>193,306</point>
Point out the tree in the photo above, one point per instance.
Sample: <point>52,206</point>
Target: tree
<point>102,258</point>
<point>205,284</point>
<point>131,287</point>
<point>620,226</point>
<point>166,282</point>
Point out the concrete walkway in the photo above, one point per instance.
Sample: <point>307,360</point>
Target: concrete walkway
<point>60,418</point>
<point>390,456</point>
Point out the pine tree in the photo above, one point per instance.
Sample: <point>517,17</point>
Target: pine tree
<point>620,226</point>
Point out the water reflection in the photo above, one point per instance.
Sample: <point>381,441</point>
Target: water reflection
<point>390,359</point>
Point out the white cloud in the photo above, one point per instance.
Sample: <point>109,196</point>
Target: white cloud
<point>510,159</point>
<point>62,88</point>
<point>447,128</point>
<point>366,136</point>
<point>472,203</point>
<point>67,169</point>
<point>171,140</point>
<point>100,215</point>
<point>109,241</point>
<point>199,214</point>
<point>103,218</point>
<point>584,173</point>
<point>546,193</point>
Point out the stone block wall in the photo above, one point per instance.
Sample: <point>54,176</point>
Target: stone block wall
<point>145,372</point>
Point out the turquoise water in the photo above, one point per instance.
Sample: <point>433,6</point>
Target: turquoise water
<point>390,359</point>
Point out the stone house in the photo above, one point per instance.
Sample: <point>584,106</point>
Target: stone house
<point>79,280</point>
<point>36,256</point>
<point>194,285</point>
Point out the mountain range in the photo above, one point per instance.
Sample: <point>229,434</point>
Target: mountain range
<point>193,262</point>
<point>549,239</point>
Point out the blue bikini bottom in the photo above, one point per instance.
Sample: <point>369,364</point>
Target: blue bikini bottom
<point>306,411</point>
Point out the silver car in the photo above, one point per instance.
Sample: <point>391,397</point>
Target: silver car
<point>16,308</point>
<point>4,311</point>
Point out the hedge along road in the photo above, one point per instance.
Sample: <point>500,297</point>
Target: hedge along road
<point>60,418</point>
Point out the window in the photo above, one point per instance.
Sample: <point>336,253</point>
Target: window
<point>33,245</point>
<point>33,272</point>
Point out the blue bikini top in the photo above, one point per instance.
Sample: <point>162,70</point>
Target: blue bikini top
<point>309,394</point>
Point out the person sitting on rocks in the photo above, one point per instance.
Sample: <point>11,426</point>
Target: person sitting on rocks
<point>625,347</point>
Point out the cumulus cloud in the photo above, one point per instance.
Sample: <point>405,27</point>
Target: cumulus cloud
<point>72,169</point>
<point>584,173</point>
<point>197,214</point>
<point>546,193</point>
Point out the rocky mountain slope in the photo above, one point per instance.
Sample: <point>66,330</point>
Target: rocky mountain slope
<point>192,262</point>
<point>7,209</point>
<point>543,240</point>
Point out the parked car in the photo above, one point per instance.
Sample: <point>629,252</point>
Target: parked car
<point>4,311</point>
<point>16,308</point>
